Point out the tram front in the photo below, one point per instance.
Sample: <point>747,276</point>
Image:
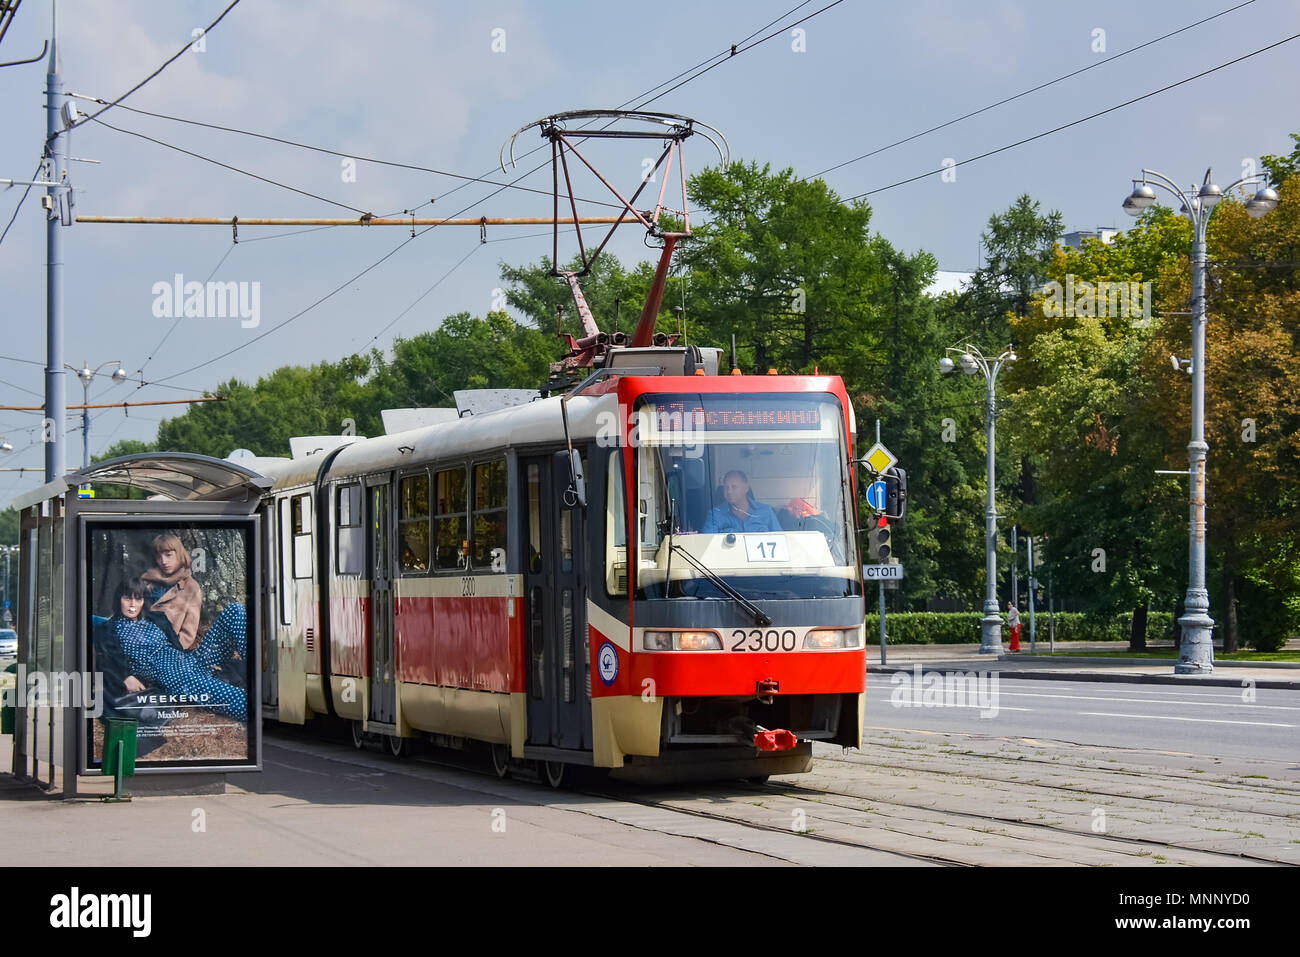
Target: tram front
<point>731,547</point>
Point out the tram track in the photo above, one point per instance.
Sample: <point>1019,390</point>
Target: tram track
<point>799,823</point>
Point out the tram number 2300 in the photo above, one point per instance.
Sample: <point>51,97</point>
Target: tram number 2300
<point>757,640</point>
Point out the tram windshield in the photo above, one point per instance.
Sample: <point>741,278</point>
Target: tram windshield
<point>743,493</point>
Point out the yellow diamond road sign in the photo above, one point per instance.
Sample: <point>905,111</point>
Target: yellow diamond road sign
<point>879,459</point>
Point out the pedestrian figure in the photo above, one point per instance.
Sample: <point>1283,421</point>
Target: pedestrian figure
<point>1013,622</point>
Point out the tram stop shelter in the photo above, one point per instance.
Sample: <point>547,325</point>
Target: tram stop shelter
<point>139,600</point>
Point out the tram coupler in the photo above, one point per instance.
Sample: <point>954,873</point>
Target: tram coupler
<point>764,739</point>
<point>767,689</point>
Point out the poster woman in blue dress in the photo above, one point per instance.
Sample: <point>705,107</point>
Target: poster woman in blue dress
<point>153,660</point>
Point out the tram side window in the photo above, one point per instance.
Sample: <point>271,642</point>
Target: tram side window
<point>285,563</point>
<point>616,528</point>
<point>350,542</point>
<point>489,527</point>
<point>413,524</point>
<point>451,532</point>
<point>300,507</point>
<point>534,519</point>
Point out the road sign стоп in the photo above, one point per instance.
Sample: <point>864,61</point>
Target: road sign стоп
<point>882,572</point>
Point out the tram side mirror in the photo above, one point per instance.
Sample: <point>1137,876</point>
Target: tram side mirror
<point>576,496</point>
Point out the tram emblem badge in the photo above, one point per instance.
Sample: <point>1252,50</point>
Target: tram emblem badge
<point>607,662</point>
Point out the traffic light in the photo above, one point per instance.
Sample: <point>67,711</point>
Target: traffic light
<point>880,547</point>
<point>895,492</point>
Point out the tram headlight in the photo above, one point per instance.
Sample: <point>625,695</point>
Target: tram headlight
<point>823,639</point>
<point>658,641</point>
<point>681,641</point>
<point>698,641</point>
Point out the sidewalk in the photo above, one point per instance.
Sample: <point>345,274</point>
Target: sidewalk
<point>967,657</point>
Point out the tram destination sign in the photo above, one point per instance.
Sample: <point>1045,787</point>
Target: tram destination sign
<point>731,414</point>
<point>882,572</point>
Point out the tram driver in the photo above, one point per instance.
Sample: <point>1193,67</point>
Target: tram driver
<point>741,512</point>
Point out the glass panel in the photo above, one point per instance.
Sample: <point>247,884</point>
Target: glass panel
<point>302,557</point>
<point>285,536</point>
<point>566,540</point>
<point>490,485</point>
<point>414,497</point>
<point>451,542</point>
<point>755,488</point>
<point>535,560</point>
<point>616,528</point>
<point>413,527</point>
<point>489,541</point>
<point>489,546</point>
<point>451,491</point>
<point>535,638</point>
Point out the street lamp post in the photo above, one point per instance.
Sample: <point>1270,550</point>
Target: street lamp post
<point>971,360</point>
<point>1196,649</point>
<point>87,376</point>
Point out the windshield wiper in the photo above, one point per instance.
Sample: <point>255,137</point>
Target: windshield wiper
<point>760,618</point>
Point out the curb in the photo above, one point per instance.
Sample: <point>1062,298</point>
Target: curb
<point>1104,676</point>
<point>1083,660</point>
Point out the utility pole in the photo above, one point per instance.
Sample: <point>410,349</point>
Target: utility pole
<point>54,429</point>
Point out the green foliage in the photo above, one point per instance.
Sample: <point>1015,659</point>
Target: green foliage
<point>786,268</point>
<point>939,628</point>
<point>463,353</point>
<point>1282,168</point>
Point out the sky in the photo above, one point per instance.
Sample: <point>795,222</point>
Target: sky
<point>443,86</point>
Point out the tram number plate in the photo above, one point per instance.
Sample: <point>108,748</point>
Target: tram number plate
<point>766,548</point>
<point>759,640</point>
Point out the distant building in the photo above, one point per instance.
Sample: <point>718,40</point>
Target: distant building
<point>1075,239</point>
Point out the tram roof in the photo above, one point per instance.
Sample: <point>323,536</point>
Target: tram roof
<point>177,476</point>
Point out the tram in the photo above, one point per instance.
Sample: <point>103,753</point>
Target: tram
<point>647,566</point>
<point>653,571</point>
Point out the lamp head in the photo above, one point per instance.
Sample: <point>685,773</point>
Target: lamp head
<point>1142,197</point>
<point>1263,202</point>
<point>1209,194</point>
<point>968,364</point>
<point>119,376</point>
<point>85,374</point>
<point>945,365</point>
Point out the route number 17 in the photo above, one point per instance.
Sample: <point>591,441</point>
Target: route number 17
<point>766,548</point>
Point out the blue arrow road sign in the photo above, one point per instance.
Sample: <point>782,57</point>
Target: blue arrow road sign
<point>876,496</point>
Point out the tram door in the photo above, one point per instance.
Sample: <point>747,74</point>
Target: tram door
<point>555,583</point>
<point>383,670</point>
<point>270,616</point>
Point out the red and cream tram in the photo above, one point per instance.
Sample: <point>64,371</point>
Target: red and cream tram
<point>653,573</point>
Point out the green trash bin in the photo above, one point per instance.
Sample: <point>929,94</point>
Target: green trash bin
<point>9,710</point>
<point>119,735</point>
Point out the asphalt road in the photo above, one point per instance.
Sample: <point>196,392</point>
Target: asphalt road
<point>1157,717</point>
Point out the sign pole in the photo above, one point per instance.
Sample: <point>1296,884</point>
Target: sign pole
<point>1033,591</point>
<point>882,585</point>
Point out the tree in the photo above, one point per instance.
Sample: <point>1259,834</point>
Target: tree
<point>1077,400</point>
<point>1018,249</point>
<point>784,266</point>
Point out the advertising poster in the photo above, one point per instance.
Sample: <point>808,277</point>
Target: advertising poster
<point>170,628</point>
